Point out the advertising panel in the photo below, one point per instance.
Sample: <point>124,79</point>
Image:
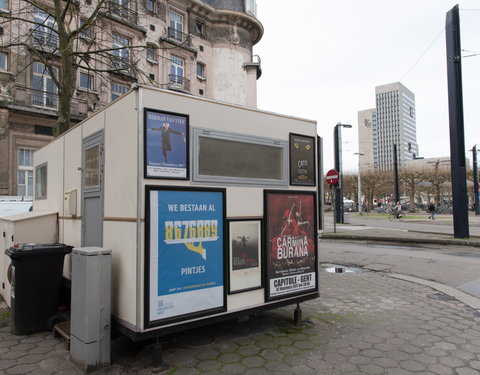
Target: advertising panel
<point>291,243</point>
<point>302,160</point>
<point>185,273</point>
<point>166,145</point>
<point>245,243</point>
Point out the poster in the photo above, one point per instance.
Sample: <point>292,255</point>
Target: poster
<point>302,160</point>
<point>245,255</point>
<point>291,243</point>
<point>166,145</point>
<point>185,252</point>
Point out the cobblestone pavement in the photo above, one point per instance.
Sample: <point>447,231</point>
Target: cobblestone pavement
<point>363,323</point>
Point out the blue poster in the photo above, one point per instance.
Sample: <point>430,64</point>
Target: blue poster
<point>166,145</point>
<point>186,252</point>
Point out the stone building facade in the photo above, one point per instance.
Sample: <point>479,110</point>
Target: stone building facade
<point>198,47</point>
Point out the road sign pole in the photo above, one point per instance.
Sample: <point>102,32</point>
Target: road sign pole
<point>334,209</point>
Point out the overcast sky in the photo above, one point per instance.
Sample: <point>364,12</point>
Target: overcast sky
<point>321,60</point>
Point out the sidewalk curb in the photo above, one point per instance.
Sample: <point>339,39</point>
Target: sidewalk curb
<point>463,297</point>
<point>440,241</point>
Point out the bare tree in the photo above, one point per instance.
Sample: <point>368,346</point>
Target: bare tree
<point>350,185</point>
<point>411,178</point>
<point>372,183</point>
<point>64,36</point>
<point>436,178</point>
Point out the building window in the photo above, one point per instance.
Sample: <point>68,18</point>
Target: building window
<point>176,26</point>
<point>41,181</point>
<point>200,27</point>
<point>25,172</point>
<point>88,32</point>
<point>44,34</point>
<point>118,90</point>
<point>3,4</point>
<point>44,89</point>
<point>86,81</point>
<point>3,61</point>
<point>120,52</point>
<point>120,8</point>
<point>92,167</point>
<point>251,7</point>
<point>151,53</point>
<point>150,5</point>
<point>201,70</point>
<point>177,70</point>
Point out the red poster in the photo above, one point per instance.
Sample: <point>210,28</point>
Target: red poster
<point>291,243</point>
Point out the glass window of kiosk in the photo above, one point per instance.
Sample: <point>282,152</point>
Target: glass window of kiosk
<point>239,159</point>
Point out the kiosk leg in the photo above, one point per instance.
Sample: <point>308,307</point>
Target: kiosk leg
<point>297,317</point>
<point>157,359</point>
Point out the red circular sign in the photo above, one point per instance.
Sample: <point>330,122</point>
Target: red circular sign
<point>332,177</point>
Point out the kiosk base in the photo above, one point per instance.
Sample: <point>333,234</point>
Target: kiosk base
<point>157,358</point>
<point>297,316</point>
<point>183,326</point>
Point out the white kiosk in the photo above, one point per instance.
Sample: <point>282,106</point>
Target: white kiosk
<point>210,209</point>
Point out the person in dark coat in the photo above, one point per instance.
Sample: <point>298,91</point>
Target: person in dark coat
<point>166,131</point>
<point>431,209</point>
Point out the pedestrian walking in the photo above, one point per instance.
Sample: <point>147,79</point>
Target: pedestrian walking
<point>431,209</point>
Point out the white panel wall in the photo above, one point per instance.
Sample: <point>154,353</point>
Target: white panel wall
<point>120,173</point>
<point>120,237</point>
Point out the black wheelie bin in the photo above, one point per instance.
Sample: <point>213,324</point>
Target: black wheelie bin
<point>36,280</point>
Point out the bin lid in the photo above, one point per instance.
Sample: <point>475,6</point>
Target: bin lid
<point>26,250</point>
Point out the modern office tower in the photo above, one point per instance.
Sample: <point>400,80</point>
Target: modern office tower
<point>198,47</point>
<point>367,122</point>
<point>392,123</point>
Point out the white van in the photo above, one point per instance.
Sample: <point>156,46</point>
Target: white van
<point>348,205</point>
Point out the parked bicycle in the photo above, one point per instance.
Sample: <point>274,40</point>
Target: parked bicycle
<point>396,216</point>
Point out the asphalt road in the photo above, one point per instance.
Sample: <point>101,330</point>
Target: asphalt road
<point>452,265</point>
<point>417,222</point>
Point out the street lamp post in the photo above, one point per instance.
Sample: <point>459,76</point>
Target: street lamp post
<point>476,193</point>
<point>337,135</point>
<point>360,208</point>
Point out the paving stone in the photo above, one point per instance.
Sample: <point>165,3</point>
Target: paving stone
<point>209,365</point>
<point>412,365</point>
<point>385,362</point>
<point>451,361</point>
<point>372,369</point>
<point>398,371</point>
<point>7,363</point>
<point>440,369</point>
<point>229,358</point>
<point>445,345</point>
<point>466,371</point>
<point>462,354</point>
<point>20,369</point>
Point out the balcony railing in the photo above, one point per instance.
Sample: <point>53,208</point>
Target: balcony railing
<point>122,12</point>
<point>47,41</point>
<point>27,97</point>
<point>179,83</point>
<point>120,63</point>
<point>178,36</point>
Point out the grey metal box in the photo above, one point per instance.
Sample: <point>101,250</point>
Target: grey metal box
<point>91,306</point>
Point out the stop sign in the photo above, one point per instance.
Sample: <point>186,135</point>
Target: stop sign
<point>332,177</point>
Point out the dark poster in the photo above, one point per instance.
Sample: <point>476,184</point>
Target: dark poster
<point>302,160</point>
<point>290,243</point>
